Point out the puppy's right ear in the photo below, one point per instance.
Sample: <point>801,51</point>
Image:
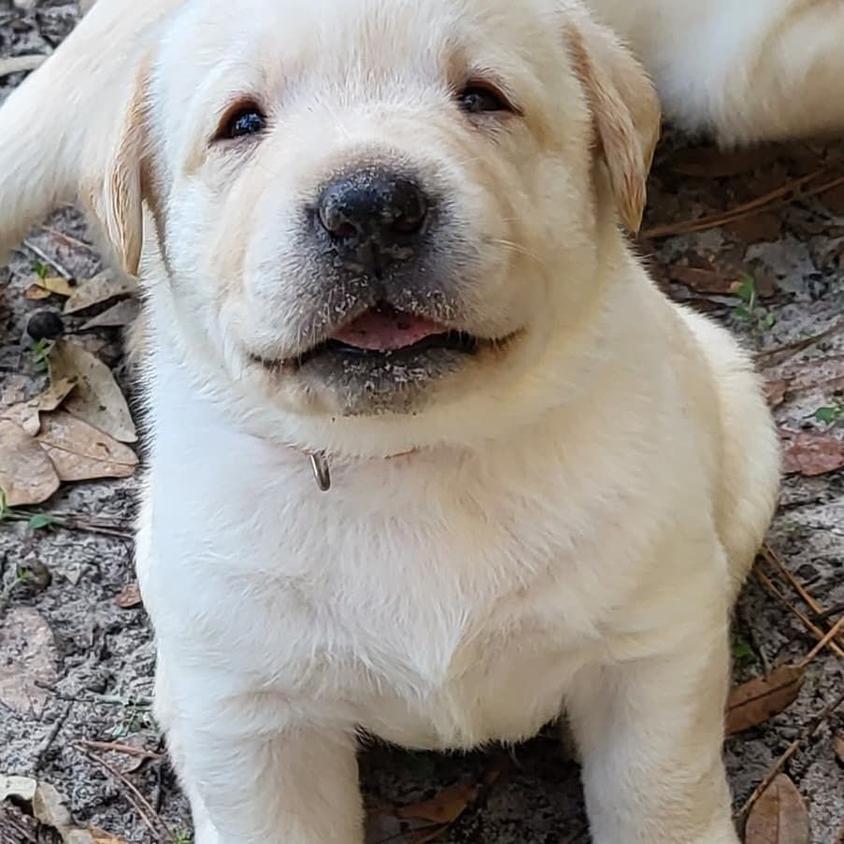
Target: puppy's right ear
<point>113,192</point>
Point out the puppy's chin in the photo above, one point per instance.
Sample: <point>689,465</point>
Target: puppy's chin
<point>339,380</point>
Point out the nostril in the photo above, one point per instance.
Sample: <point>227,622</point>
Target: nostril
<point>408,207</point>
<point>335,219</point>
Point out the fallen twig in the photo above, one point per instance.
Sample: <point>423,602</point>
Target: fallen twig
<point>48,740</point>
<point>40,253</point>
<point>811,627</point>
<point>775,560</point>
<point>831,634</point>
<point>152,820</point>
<point>807,733</point>
<point>71,522</point>
<point>117,747</point>
<point>70,240</point>
<point>779,196</point>
<point>772,357</point>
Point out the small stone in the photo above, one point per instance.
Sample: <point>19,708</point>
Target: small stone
<point>45,325</point>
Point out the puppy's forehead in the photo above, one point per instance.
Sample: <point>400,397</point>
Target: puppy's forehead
<point>343,39</point>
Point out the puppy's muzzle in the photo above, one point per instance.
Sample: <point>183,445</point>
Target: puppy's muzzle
<point>372,219</point>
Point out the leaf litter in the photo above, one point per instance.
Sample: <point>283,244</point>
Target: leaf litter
<point>779,816</point>
<point>755,702</point>
<point>103,287</point>
<point>97,398</point>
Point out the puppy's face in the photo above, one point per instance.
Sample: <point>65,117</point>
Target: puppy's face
<point>376,208</point>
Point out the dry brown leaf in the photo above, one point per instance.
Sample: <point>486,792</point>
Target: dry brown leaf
<point>81,452</point>
<point>28,660</point>
<point>48,807</point>
<point>754,702</point>
<point>702,280</point>
<point>56,284</point>
<point>26,474</point>
<point>101,288</point>
<point>26,414</point>
<point>97,399</point>
<point>34,293</point>
<point>838,747</point>
<point>779,816</point>
<point>123,313</point>
<point>129,597</point>
<point>775,392</point>
<point>444,808</point>
<point>100,836</point>
<point>811,453</point>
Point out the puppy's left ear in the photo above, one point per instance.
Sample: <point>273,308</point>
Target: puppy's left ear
<point>625,110</point>
<point>113,189</point>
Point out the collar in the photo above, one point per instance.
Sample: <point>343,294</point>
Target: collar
<point>322,470</point>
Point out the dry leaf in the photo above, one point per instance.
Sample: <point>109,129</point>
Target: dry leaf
<point>34,293</point>
<point>26,414</point>
<point>26,474</point>
<point>27,660</point>
<point>48,807</point>
<point>444,808</point>
<point>838,747</point>
<point>701,280</point>
<point>756,701</point>
<point>123,313</point>
<point>811,453</point>
<point>129,597</point>
<point>779,816</point>
<point>775,392</point>
<point>101,288</point>
<point>56,284</point>
<point>23,788</point>
<point>97,398</point>
<point>81,452</point>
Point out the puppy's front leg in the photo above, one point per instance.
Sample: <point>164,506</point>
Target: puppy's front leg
<point>650,733</point>
<point>297,786</point>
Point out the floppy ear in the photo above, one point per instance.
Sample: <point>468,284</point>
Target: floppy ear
<point>625,110</point>
<point>113,193</point>
<point>57,129</point>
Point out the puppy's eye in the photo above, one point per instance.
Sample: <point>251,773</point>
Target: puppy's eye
<point>245,120</point>
<point>477,98</point>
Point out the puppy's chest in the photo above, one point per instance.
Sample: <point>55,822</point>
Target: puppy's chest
<point>434,632</point>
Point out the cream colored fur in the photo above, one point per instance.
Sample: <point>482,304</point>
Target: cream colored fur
<point>563,526</point>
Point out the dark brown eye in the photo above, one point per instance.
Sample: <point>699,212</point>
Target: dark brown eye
<point>246,120</point>
<point>478,99</point>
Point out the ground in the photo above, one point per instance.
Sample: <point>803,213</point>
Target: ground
<point>75,666</point>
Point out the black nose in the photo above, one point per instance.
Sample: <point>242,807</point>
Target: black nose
<point>374,214</point>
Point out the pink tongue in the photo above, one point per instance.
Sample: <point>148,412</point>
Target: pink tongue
<point>382,331</point>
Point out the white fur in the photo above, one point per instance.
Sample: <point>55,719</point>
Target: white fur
<point>574,516</point>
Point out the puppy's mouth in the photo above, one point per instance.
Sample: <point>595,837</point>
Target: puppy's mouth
<point>384,332</point>
<point>384,360</point>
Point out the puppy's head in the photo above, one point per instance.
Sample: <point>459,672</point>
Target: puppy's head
<point>382,213</point>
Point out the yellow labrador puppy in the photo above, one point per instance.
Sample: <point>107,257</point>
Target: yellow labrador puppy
<point>749,71</point>
<point>381,251</point>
